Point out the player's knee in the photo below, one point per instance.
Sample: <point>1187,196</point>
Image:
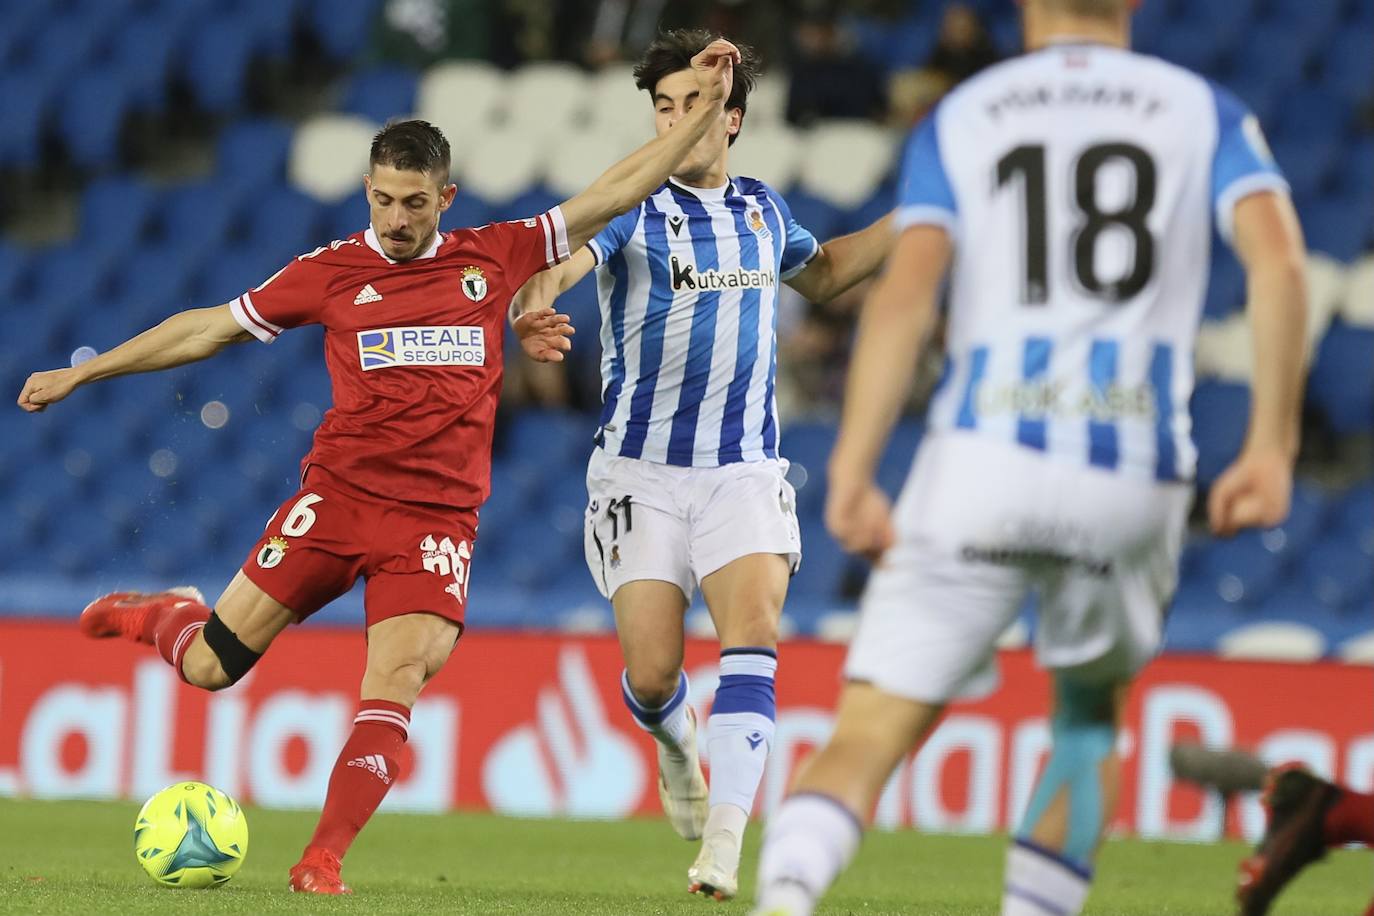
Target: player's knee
<point>202,669</point>
<point>652,685</point>
<point>402,676</point>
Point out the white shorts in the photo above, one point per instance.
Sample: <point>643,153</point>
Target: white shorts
<point>982,524</point>
<point>656,521</point>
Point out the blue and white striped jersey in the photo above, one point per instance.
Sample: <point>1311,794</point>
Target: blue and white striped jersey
<point>689,291</point>
<point>1079,184</point>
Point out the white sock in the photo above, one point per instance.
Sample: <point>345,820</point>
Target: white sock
<point>739,733</point>
<point>1040,883</point>
<point>669,723</point>
<point>807,844</point>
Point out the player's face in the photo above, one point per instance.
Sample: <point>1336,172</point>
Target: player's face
<point>405,209</point>
<point>674,96</point>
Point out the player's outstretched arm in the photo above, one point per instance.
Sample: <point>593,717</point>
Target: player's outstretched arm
<point>544,334</point>
<point>1256,489</point>
<point>635,177</point>
<point>844,261</point>
<point>893,327</point>
<point>185,337</point>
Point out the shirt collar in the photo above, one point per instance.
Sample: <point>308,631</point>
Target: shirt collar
<point>370,236</point>
<point>710,194</point>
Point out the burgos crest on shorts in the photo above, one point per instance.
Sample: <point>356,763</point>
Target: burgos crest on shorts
<point>474,283</point>
<point>272,553</point>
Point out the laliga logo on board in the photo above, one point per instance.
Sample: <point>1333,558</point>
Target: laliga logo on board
<point>570,760</point>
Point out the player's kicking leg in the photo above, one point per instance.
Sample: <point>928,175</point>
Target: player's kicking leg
<point>207,649</point>
<point>745,598</point>
<point>814,833</point>
<point>648,620</point>
<point>403,653</point>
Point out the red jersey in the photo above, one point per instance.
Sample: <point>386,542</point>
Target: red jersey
<point>413,350</point>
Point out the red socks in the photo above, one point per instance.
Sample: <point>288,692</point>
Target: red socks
<point>1350,819</point>
<point>173,632</point>
<point>367,766</point>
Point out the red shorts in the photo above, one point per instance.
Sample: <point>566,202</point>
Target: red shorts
<point>414,557</point>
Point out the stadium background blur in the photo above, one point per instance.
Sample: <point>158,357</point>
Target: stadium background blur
<point>162,154</point>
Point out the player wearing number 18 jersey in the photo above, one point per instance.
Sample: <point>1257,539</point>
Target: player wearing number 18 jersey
<point>413,325</point>
<point>1071,194</point>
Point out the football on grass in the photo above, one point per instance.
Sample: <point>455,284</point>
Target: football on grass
<point>190,835</point>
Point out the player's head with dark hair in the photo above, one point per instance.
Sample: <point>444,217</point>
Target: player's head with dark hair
<point>407,186</point>
<point>665,72</point>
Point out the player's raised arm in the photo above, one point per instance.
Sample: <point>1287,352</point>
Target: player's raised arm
<point>893,327</point>
<point>1255,490</point>
<point>844,261</point>
<point>635,177</point>
<point>185,337</point>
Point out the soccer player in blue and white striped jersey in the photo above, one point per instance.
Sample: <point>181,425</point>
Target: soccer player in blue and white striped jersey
<point>686,485</point>
<point>1070,193</point>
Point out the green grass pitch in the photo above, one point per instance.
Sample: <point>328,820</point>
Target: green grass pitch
<point>77,857</point>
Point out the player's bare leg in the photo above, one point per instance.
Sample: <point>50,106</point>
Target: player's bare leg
<point>648,621</point>
<point>813,835</point>
<point>1074,800</point>
<point>245,621</point>
<point>403,653</point>
<point>745,598</point>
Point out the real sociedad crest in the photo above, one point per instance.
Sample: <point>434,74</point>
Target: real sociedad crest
<point>474,283</point>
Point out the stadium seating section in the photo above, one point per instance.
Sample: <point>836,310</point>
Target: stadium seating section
<point>154,480</point>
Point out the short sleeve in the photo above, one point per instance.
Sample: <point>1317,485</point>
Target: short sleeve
<point>610,240</point>
<point>924,195</point>
<point>289,298</point>
<point>526,246</point>
<point>1242,163</point>
<point>799,246</point>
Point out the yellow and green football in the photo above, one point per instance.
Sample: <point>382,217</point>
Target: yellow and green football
<point>190,835</point>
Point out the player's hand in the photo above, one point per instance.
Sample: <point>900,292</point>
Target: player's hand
<point>715,70</point>
<point>1254,492</point>
<point>544,335</point>
<point>44,388</point>
<point>859,516</point>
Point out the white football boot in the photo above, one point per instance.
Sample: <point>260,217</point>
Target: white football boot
<point>715,873</point>
<point>682,788</point>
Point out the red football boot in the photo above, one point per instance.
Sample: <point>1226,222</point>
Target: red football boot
<point>134,615</point>
<point>1297,803</point>
<point>318,873</point>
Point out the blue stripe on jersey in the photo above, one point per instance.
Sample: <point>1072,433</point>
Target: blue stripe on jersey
<point>773,221</point>
<point>1161,380</point>
<point>977,367</point>
<point>610,397</point>
<point>697,372</point>
<point>651,337</point>
<point>746,350</point>
<point>1103,449</point>
<point>1035,364</point>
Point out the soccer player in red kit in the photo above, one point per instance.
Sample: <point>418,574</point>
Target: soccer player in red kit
<point>414,320</point>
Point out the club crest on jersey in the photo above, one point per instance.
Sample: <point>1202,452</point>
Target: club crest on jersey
<point>755,220</point>
<point>273,552</point>
<point>384,348</point>
<point>474,283</point>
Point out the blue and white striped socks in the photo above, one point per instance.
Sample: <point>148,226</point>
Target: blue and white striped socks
<point>740,730</point>
<point>667,723</point>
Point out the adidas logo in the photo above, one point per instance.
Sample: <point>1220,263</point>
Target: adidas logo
<point>372,763</point>
<point>365,295</point>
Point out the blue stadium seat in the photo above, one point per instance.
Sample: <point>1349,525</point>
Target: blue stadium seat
<point>1312,18</point>
<point>1314,111</point>
<point>1221,413</point>
<point>22,118</point>
<point>1226,288</point>
<point>22,20</point>
<point>120,205</point>
<point>1341,381</point>
<point>252,152</point>
<point>1347,65</point>
<point>821,218</point>
<point>381,94</point>
<point>352,215</point>
<point>546,438</point>
<point>1245,568</point>
<point>468,210</point>
<point>70,273</point>
<point>1338,572</point>
<point>343,30</point>
<point>872,210</point>
<point>235,269</point>
<point>531,203</point>
<point>808,446</point>
<point>14,268</point>
<point>157,275</point>
<point>898,457</point>
<point>1270,56</point>
<point>1196,48</point>
<point>1334,227</point>
<point>284,222</point>
<point>215,66</point>
<point>271,23</point>
<point>65,41</point>
<point>199,214</point>
<point>145,52</point>
<point>1354,515</point>
<point>1225,20</point>
<point>1309,163</point>
<point>1294,602</point>
<point>823,568</point>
